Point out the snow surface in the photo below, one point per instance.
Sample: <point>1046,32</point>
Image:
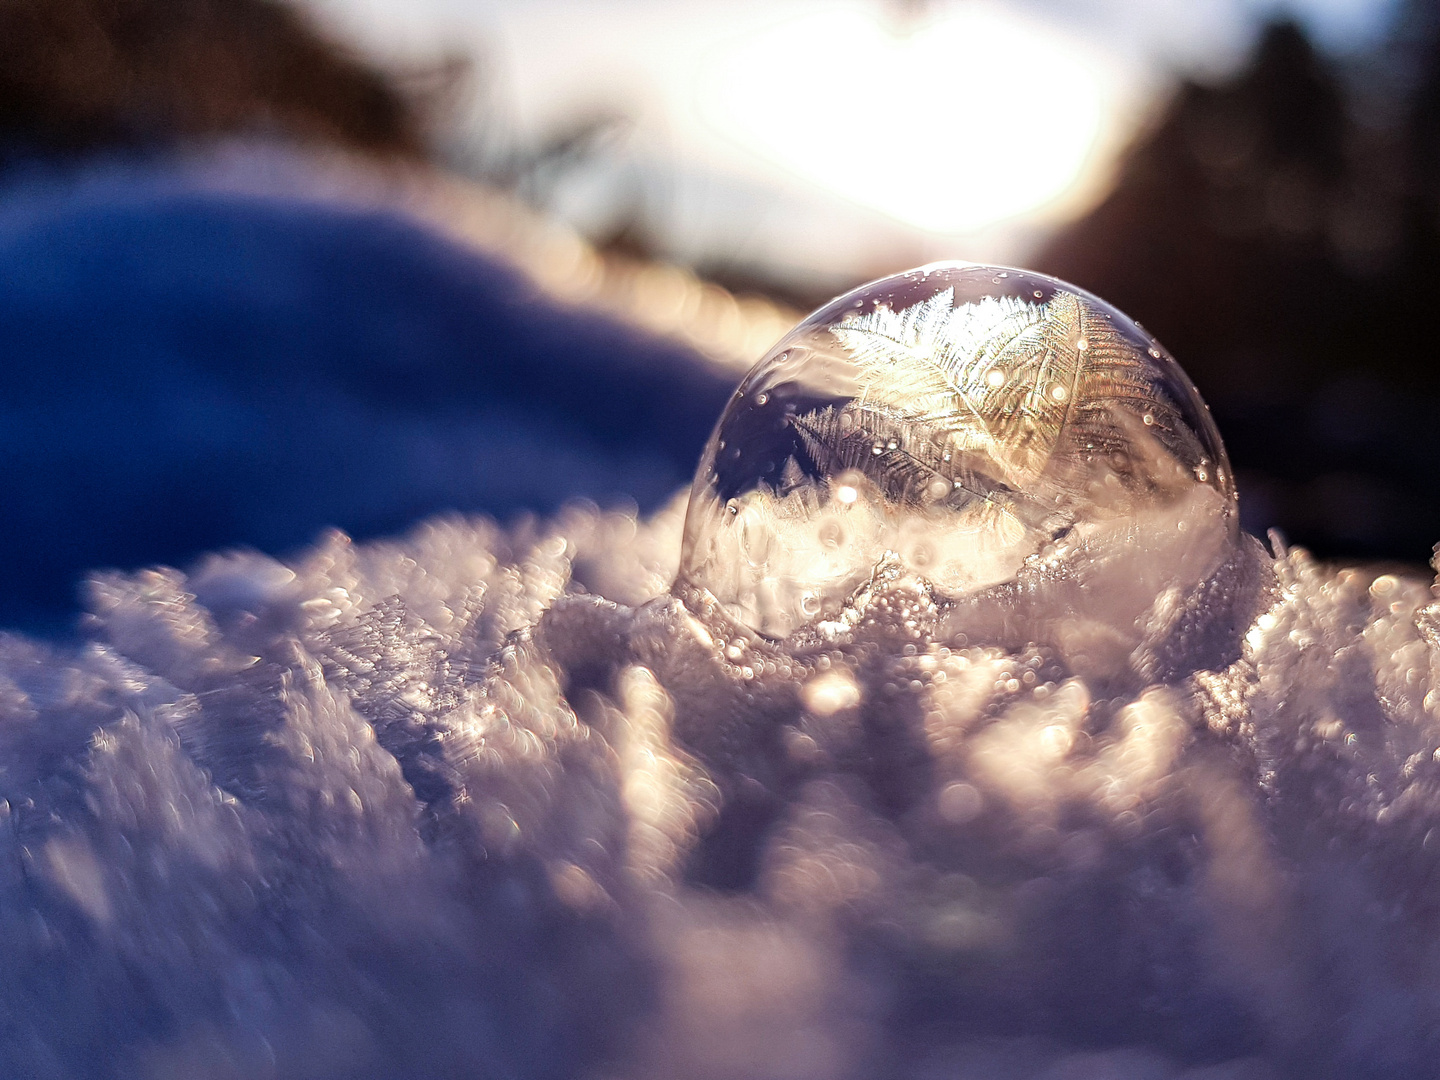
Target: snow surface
<point>489,802</point>
<point>246,345</point>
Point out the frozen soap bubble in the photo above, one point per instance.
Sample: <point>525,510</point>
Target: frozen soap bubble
<point>972,427</point>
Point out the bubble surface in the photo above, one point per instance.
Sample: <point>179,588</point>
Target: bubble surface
<point>963,425</point>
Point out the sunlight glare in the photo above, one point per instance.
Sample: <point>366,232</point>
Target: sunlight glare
<point>975,118</point>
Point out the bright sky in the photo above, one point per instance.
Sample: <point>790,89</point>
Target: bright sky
<point>949,126</point>
<point>833,136</point>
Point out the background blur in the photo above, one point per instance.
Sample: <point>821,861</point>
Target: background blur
<point>268,268</point>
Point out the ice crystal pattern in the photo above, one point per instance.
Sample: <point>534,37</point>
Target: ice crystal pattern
<point>969,426</point>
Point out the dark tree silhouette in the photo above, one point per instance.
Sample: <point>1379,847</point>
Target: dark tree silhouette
<point>77,74</point>
<point>1286,253</point>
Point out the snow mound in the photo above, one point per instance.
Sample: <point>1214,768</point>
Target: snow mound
<point>490,802</point>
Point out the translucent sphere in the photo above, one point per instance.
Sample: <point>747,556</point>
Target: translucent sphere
<point>960,424</point>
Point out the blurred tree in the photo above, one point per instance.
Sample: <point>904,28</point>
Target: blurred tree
<point>1285,252</point>
<point>77,74</point>
<point>1215,234</point>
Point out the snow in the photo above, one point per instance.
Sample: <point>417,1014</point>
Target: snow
<point>509,801</point>
<point>246,345</point>
<point>490,802</point>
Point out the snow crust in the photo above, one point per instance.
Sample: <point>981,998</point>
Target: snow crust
<point>490,802</point>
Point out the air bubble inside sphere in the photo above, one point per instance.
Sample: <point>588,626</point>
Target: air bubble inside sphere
<point>968,426</point>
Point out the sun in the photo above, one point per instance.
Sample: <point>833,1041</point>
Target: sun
<point>963,122</point>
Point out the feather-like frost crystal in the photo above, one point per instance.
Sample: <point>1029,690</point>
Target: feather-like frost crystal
<point>968,426</point>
